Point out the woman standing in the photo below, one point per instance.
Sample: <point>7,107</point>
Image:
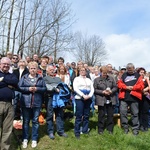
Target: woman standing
<point>145,103</point>
<point>105,90</point>
<point>63,75</point>
<point>32,87</point>
<point>19,72</point>
<point>84,90</point>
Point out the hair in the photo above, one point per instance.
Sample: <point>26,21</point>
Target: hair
<point>141,68</point>
<point>109,65</point>
<point>103,69</point>
<point>130,65</point>
<point>15,55</point>
<point>45,57</point>
<point>33,63</point>
<point>5,58</point>
<point>65,70</point>
<point>60,58</point>
<point>49,66</point>
<point>22,60</point>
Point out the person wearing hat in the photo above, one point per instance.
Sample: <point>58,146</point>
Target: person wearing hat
<point>123,69</point>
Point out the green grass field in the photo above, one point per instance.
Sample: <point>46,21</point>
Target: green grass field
<point>93,141</point>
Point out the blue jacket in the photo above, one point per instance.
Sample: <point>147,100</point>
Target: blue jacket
<point>29,99</point>
<point>59,99</point>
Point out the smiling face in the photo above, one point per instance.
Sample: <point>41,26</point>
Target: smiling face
<point>5,64</point>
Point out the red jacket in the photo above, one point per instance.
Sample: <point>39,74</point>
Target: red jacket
<point>136,91</point>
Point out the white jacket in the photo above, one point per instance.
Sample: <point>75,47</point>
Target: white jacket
<point>82,83</point>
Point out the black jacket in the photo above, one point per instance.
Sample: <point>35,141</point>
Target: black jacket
<point>17,73</point>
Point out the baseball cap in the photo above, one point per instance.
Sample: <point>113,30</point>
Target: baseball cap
<point>73,63</point>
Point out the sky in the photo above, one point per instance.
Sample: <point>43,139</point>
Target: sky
<point>123,25</point>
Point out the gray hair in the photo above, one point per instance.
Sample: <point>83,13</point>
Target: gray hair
<point>5,59</point>
<point>130,65</point>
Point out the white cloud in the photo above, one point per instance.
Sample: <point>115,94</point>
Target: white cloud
<point>123,49</point>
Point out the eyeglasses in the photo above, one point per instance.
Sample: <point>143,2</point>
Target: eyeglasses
<point>5,64</point>
<point>15,58</point>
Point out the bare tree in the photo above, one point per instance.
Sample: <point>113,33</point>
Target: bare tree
<point>9,25</point>
<point>89,49</point>
<point>35,26</point>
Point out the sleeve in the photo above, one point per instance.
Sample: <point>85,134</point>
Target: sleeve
<point>139,86</point>
<point>92,89</point>
<point>96,90</point>
<point>11,79</point>
<point>121,85</point>
<point>76,84</point>
<point>41,87</point>
<point>22,87</point>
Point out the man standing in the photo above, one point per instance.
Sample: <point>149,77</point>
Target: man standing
<point>7,82</point>
<point>52,82</point>
<point>130,86</point>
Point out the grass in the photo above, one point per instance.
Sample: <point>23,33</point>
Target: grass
<point>93,141</point>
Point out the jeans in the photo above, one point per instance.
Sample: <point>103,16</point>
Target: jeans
<point>134,107</point>
<point>59,118</point>
<point>82,115</point>
<point>6,124</point>
<point>30,113</point>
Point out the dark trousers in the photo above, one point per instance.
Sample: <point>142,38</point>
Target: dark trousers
<point>144,111</point>
<point>82,115</point>
<point>134,108</point>
<point>109,109</point>
<point>59,114</point>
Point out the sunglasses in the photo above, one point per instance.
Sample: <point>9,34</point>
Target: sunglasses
<point>15,58</point>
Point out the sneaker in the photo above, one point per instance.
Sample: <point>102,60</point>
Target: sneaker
<point>25,143</point>
<point>82,132</point>
<point>34,144</point>
<point>64,135</point>
<point>51,136</point>
<point>135,132</point>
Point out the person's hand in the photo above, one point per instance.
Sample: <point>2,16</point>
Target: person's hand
<point>86,97</point>
<point>145,93</point>
<point>32,89</point>
<point>56,90</point>
<point>106,92</point>
<point>129,88</point>
<point>1,79</point>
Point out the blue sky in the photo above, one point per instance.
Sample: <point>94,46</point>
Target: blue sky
<point>124,26</point>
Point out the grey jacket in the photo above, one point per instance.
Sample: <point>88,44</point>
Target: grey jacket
<point>100,85</point>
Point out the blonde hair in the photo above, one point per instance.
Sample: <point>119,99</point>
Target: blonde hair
<point>33,63</point>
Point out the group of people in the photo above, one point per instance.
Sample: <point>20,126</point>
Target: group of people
<point>33,82</point>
